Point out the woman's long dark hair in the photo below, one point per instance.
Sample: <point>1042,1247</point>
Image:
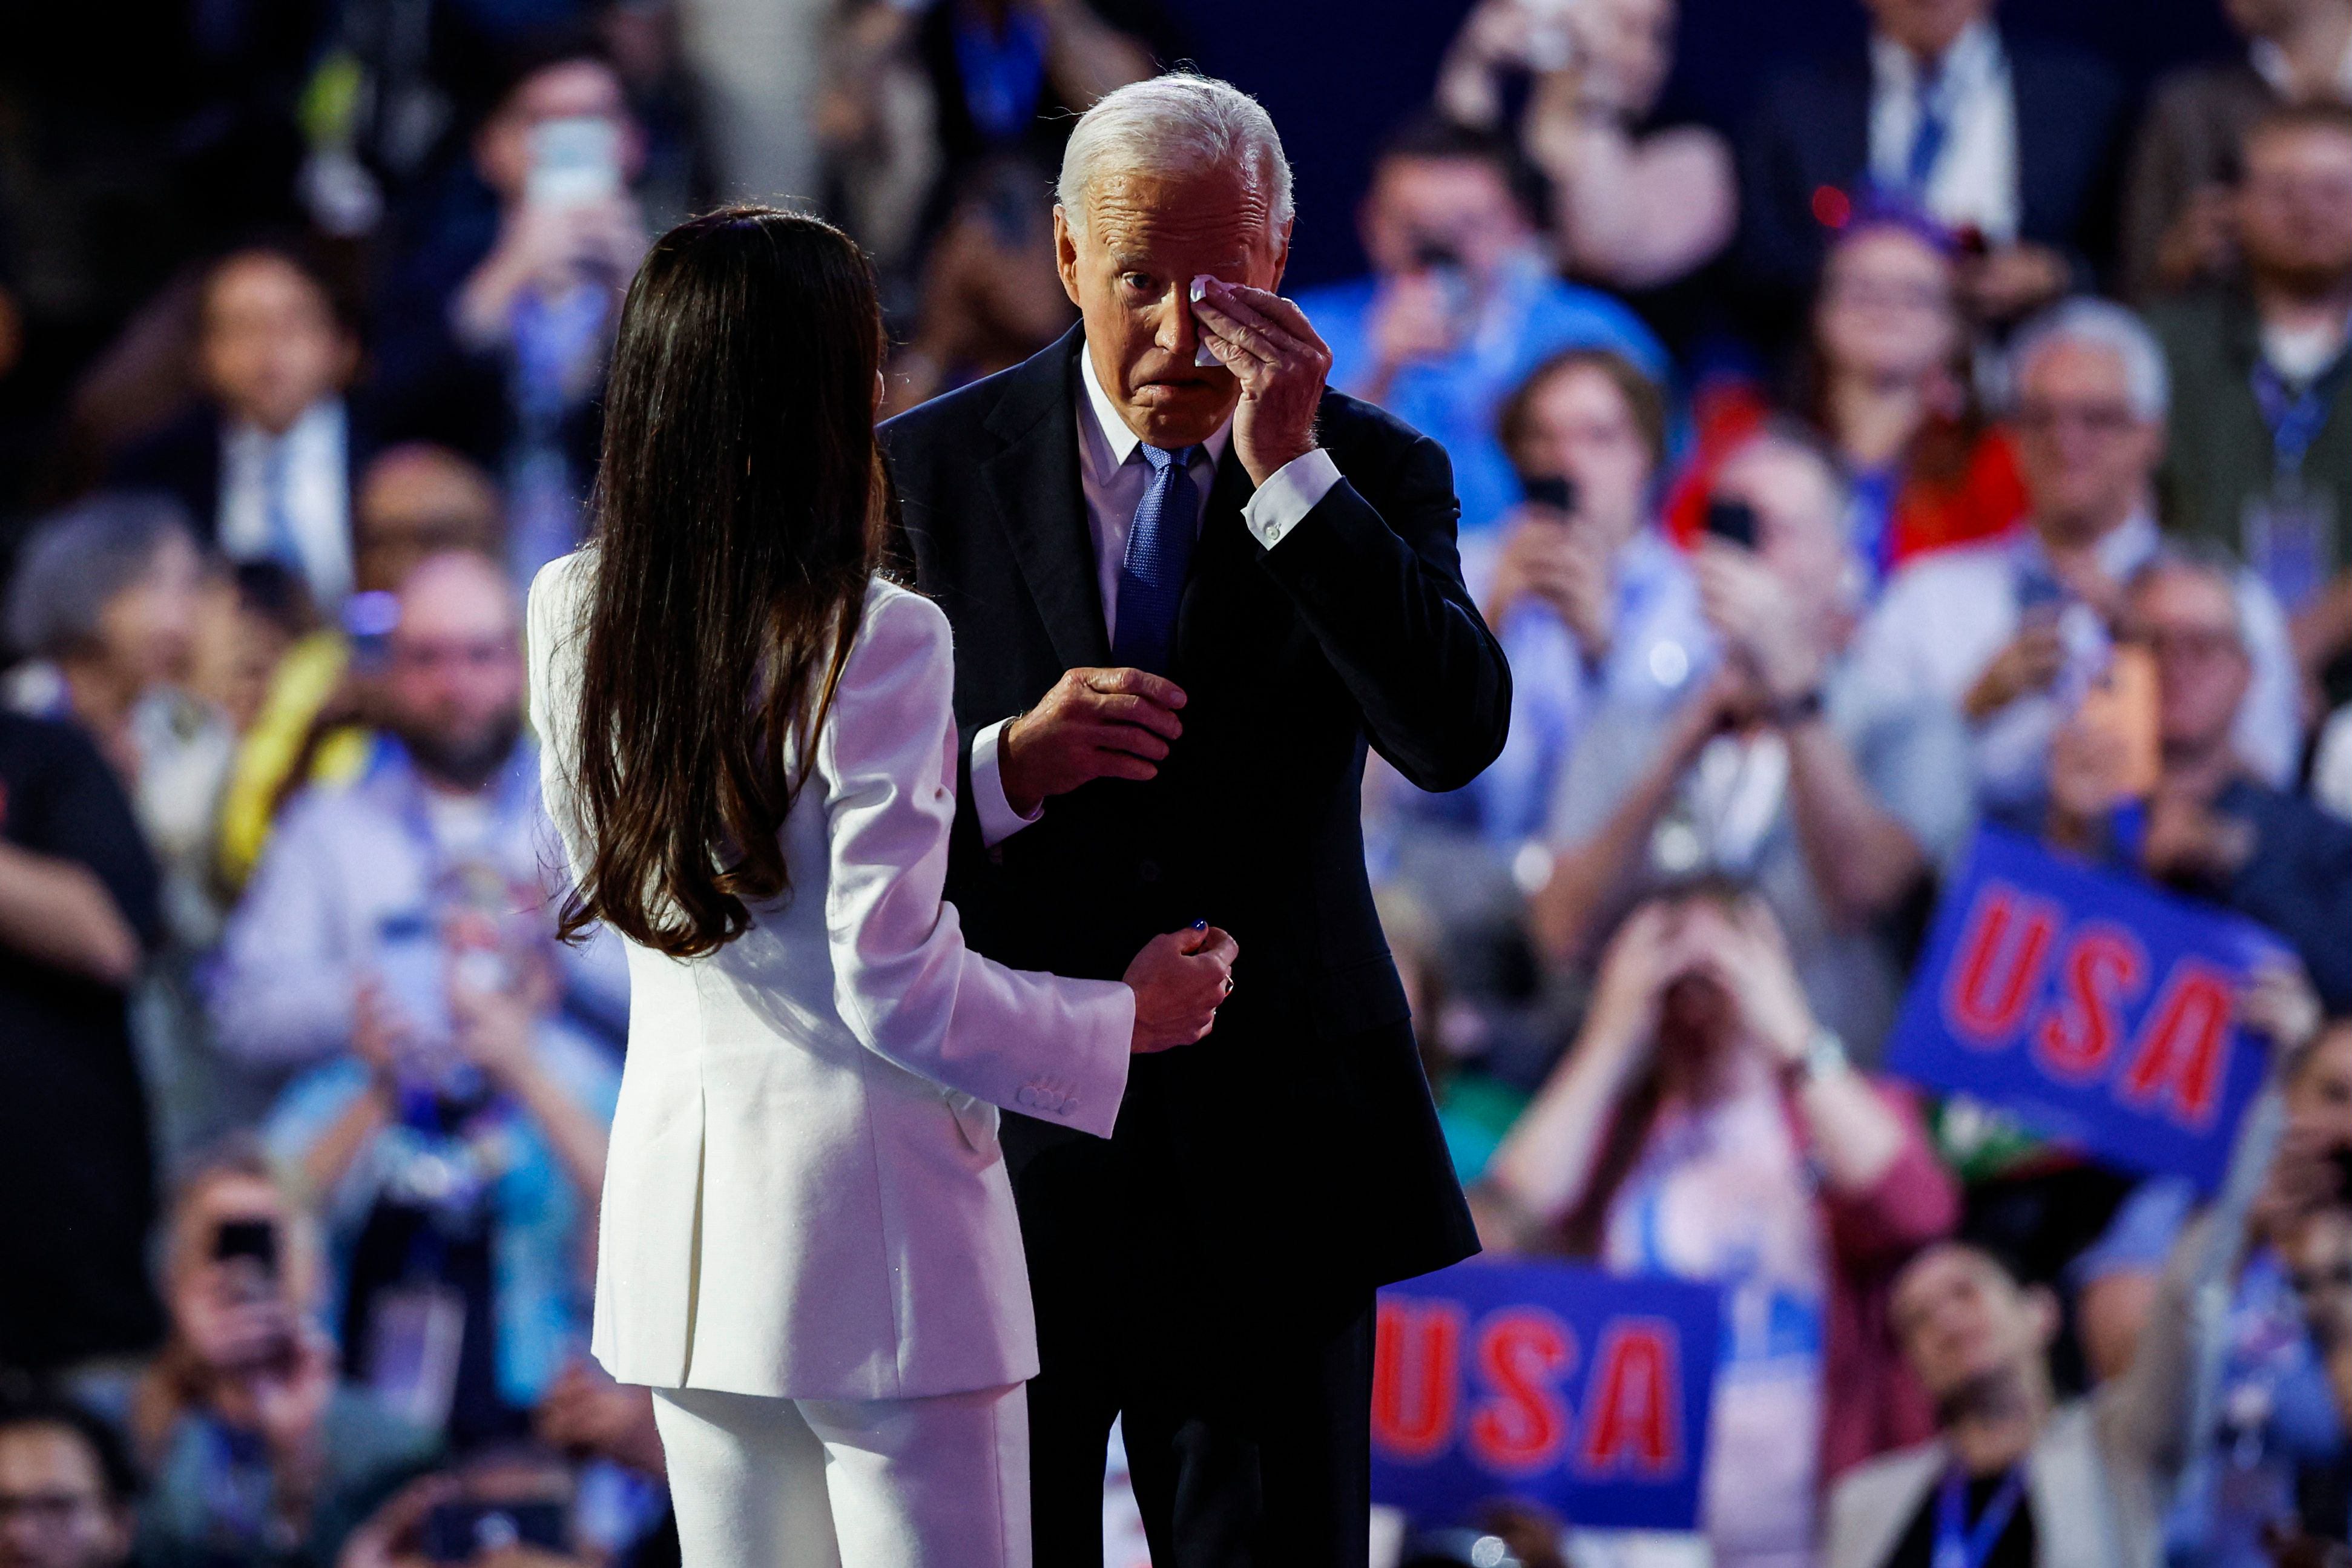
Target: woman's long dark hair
<point>740,506</point>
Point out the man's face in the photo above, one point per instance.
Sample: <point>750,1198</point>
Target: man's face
<point>2294,207</point>
<point>2086,453</point>
<point>269,344</point>
<point>453,674</point>
<point>1441,211</point>
<point>1960,1319</point>
<point>1130,270</point>
<point>1926,28</point>
<point>569,90</point>
<point>414,503</point>
<point>1583,428</point>
<point>2188,621</point>
<point>1800,535</point>
<point>54,1511</point>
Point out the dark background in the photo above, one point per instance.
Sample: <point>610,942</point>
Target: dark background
<point>1333,73</point>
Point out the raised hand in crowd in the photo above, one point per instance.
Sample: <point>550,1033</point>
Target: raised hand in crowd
<point>1547,556</point>
<point>585,1414</point>
<point>1771,635</point>
<point>548,248</point>
<point>1417,316</point>
<point>2027,665</point>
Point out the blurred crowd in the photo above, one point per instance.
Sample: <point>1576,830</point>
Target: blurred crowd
<point>1959,438</point>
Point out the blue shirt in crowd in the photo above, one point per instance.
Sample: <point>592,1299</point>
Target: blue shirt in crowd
<point>1532,315</point>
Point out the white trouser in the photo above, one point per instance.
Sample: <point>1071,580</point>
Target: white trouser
<point>877,1483</point>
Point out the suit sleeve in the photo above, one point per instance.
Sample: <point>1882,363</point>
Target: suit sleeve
<point>1382,592</point>
<point>905,982</point>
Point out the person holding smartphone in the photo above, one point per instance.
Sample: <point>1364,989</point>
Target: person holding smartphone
<point>1591,602</point>
<point>256,1448</point>
<point>809,1250</point>
<point>1789,765</point>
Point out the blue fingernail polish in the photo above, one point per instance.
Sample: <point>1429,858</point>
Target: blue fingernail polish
<point>1200,925</point>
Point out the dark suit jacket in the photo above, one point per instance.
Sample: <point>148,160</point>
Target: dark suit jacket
<point>1812,129</point>
<point>183,460</point>
<point>1299,1139</point>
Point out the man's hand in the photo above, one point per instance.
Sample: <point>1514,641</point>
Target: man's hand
<point>1094,724</point>
<point>2030,662</point>
<point>1415,316</point>
<point>1546,557</point>
<point>1266,343</point>
<point>1747,605</point>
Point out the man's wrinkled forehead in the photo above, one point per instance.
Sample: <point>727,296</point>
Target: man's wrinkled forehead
<point>1221,212</point>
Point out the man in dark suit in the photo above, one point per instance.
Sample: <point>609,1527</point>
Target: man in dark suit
<point>265,464</point>
<point>2013,141</point>
<point>1186,598</point>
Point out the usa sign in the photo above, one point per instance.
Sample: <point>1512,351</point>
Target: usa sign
<point>2099,1009</point>
<point>1583,1392</point>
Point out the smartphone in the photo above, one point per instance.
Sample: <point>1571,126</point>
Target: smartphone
<point>253,1239</point>
<point>1733,522</point>
<point>2122,701</point>
<point>574,161</point>
<point>1557,491</point>
<point>462,1531</point>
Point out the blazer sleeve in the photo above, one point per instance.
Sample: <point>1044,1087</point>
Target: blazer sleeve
<point>904,981</point>
<point>1382,594</point>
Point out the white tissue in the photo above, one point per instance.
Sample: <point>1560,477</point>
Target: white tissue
<point>1201,356</point>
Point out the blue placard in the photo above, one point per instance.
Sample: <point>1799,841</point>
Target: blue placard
<point>1583,1392</point>
<point>2100,1010</point>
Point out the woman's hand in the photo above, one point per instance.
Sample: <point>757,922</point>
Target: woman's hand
<point>1750,957</point>
<point>1180,980</point>
<point>1622,1020</point>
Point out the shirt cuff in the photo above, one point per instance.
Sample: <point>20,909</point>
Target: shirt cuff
<point>998,820</point>
<point>1282,504</point>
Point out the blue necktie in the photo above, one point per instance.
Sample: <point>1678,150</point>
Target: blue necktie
<point>1159,548</point>
<point>1927,138</point>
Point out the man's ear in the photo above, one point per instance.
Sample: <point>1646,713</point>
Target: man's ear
<point>1281,254</point>
<point>1065,253</point>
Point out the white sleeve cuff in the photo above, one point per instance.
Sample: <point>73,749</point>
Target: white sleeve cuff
<point>1282,504</point>
<point>998,820</point>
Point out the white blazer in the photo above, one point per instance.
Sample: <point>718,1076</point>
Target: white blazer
<point>805,1198</point>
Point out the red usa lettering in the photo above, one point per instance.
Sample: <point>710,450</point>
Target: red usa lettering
<point>2021,973</point>
<point>1521,1421</point>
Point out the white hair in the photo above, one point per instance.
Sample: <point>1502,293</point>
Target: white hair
<point>2099,324</point>
<point>1178,124</point>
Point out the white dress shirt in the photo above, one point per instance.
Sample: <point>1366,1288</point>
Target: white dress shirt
<point>313,469</point>
<point>1974,182</point>
<point>1114,477</point>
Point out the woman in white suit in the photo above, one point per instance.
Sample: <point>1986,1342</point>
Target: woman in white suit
<point>809,1250</point>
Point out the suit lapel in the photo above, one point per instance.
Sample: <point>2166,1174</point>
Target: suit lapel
<point>1033,482</point>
